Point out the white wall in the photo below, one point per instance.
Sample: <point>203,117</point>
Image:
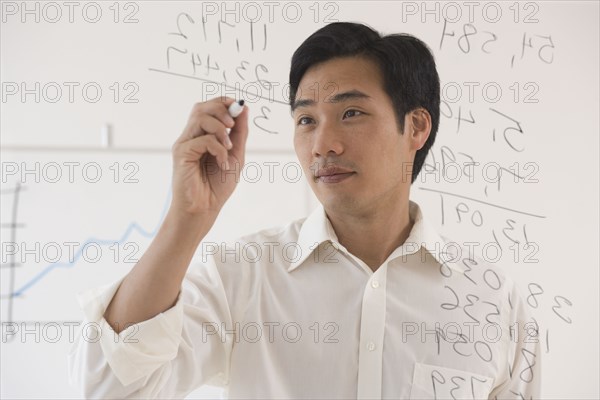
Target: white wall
<point>541,56</point>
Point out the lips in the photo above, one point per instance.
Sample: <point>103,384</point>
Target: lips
<point>332,174</point>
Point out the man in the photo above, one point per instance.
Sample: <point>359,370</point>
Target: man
<point>367,306</point>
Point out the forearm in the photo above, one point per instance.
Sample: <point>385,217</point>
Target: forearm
<point>152,286</point>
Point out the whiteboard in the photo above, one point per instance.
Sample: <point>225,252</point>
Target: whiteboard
<point>93,96</point>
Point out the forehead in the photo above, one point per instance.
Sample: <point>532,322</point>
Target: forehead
<point>341,74</point>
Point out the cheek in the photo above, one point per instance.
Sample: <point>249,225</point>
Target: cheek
<point>299,147</point>
<point>384,160</point>
<point>300,144</point>
<point>303,153</point>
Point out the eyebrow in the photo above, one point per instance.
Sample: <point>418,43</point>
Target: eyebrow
<point>349,95</point>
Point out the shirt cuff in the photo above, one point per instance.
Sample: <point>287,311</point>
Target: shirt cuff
<point>141,348</point>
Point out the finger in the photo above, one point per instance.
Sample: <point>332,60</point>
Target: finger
<point>193,150</point>
<point>216,108</point>
<point>218,128</point>
<point>208,125</point>
<point>219,108</point>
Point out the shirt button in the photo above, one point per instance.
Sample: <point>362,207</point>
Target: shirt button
<point>374,283</point>
<point>371,346</point>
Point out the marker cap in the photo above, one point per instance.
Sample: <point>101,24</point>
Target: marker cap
<point>236,108</point>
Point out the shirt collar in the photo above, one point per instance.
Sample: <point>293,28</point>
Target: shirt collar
<point>317,229</point>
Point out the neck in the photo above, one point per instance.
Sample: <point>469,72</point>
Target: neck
<point>372,235</point>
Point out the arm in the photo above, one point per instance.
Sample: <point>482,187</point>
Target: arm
<point>200,189</point>
<point>167,356</point>
<point>155,313</point>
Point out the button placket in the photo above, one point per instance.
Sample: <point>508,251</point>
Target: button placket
<point>372,326</point>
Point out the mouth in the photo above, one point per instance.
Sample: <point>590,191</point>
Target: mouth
<point>334,178</point>
<point>332,174</point>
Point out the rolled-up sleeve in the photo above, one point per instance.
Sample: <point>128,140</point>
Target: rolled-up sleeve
<point>168,355</point>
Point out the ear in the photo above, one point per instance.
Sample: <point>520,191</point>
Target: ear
<point>418,122</point>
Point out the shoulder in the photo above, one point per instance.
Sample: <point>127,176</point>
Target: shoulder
<point>279,233</point>
<point>477,268</point>
<point>245,256</point>
<point>239,267</point>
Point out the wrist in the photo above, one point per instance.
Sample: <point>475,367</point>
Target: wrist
<point>190,224</point>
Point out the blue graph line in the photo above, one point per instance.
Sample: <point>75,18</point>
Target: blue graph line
<point>134,226</point>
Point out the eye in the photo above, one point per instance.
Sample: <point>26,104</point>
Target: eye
<point>352,113</point>
<point>304,120</point>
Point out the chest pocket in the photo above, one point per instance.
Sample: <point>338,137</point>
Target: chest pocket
<point>435,382</point>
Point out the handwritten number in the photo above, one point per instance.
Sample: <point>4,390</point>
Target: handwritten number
<point>469,299</point>
<point>497,284</point>
<point>527,371</point>
<point>456,385</point>
<point>493,39</point>
<point>525,44</point>
<point>557,306</point>
<point>473,386</point>
<point>487,317</point>
<point>169,57</point>
<point>547,47</point>
<point>511,227</point>
<point>510,130</point>
<point>208,66</point>
<point>263,82</point>
<point>445,270</point>
<point>180,33</point>
<point>263,111</point>
<point>219,29</point>
<point>243,68</point>
<point>196,62</point>
<point>464,340</point>
<point>436,376</point>
<point>450,306</point>
<point>531,299</point>
<point>438,379</point>
<point>473,262</point>
<point>465,37</point>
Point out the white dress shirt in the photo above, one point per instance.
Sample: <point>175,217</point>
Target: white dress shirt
<point>290,313</point>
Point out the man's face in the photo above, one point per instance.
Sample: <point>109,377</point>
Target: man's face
<point>346,131</point>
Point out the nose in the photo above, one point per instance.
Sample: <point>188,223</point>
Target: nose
<point>327,139</point>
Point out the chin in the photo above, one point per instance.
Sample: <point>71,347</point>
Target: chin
<point>339,202</point>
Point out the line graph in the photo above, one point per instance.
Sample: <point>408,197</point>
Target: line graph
<point>12,264</point>
<point>15,224</point>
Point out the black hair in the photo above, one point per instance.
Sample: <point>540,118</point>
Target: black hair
<point>406,63</point>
